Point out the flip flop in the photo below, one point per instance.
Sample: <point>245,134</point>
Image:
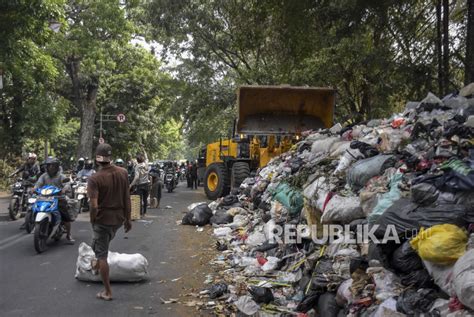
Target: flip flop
<point>101,295</point>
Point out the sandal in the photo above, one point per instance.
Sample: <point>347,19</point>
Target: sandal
<point>101,295</point>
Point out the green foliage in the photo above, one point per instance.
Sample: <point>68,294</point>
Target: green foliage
<point>28,71</point>
<point>377,54</point>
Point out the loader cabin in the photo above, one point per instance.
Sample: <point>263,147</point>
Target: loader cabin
<point>270,121</point>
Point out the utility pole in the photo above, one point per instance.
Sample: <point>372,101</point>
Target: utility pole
<point>120,118</point>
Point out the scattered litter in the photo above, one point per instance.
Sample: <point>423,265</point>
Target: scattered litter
<point>169,301</point>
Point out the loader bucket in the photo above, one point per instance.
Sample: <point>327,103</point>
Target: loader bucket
<point>284,109</point>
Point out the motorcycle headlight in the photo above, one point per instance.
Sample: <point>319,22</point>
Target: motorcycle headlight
<point>46,191</point>
<point>31,200</point>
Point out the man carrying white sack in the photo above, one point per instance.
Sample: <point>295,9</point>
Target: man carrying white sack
<point>109,195</point>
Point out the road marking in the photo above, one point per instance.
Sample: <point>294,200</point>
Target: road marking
<point>11,238</point>
<point>9,244</point>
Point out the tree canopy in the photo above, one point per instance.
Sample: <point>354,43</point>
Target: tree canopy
<point>173,67</point>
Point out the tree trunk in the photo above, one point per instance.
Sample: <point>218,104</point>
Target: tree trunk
<point>469,64</point>
<point>84,98</point>
<point>439,52</point>
<point>86,138</point>
<point>446,46</point>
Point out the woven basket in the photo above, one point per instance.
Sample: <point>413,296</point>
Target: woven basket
<point>135,202</point>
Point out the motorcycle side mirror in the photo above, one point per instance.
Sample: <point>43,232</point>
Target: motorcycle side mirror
<point>66,180</point>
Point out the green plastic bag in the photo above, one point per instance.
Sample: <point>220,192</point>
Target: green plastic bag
<point>291,198</point>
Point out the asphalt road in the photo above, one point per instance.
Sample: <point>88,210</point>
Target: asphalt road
<point>44,285</point>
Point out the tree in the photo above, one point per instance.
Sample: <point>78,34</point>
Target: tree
<point>26,102</point>
<point>469,61</point>
<point>87,51</point>
<point>446,56</point>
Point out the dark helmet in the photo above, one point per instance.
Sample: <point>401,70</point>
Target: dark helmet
<point>51,160</point>
<point>52,166</point>
<point>88,164</point>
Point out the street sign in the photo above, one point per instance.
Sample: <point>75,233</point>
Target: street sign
<point>101,140</point>
<point>121,118</point>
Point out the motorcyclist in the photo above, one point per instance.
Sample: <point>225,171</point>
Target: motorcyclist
<point>80,165</point>
<point>54,177</point>
<point>120,163</point>
<point>88,170</point>
<point>30,170</point>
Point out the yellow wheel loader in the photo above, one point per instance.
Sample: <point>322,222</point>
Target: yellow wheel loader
<point>270,120</point>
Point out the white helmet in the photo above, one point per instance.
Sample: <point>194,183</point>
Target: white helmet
<point>32,155</point>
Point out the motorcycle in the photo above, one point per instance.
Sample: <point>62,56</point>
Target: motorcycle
<point>29,217</point>
<point>80,193</point>
<point>182,175</point>
<point>48,224</point>
<point>18,202</point>
<point>170,180</point>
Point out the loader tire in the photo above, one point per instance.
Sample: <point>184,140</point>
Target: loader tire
<point>240,171</point>
<point>216,181</point>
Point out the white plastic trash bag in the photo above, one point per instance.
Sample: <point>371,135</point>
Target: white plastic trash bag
<point>463,279</point>
<point>123,267</point>
<point>442,276</point>
<point>271,264</point>
<point>324,145</point>
<point>342,210</point>
<point>247,305</point>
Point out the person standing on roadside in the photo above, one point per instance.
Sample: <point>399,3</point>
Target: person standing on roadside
<point>194,176</point>
<point>142,181</point>
<point>110,208</point>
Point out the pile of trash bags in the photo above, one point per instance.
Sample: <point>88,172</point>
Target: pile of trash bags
<point>401,189</point>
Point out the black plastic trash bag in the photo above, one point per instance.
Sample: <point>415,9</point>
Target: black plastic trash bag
<point>415,302</point>
<point>217,290</point>
<point>407,217</point>
<point>308,302</point>
<point>327,305</point>
<point>261,294</point>
<point>229,200</point>
<point>324,278</point>
<point>417,279</point>
<point>405,259</point>
<point>458,176</point>
<point>366,149</point>
<point>199,216</point>
<point>221,217</point>
<point>380,253</point>
<point>424,194</point>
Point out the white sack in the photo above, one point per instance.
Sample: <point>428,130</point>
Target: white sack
<point>323,146</point>
<point>442,276</point>
<point>463,279</point>
<point>123,267</point>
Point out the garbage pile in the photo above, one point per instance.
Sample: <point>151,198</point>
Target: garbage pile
<point>399,191</point>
